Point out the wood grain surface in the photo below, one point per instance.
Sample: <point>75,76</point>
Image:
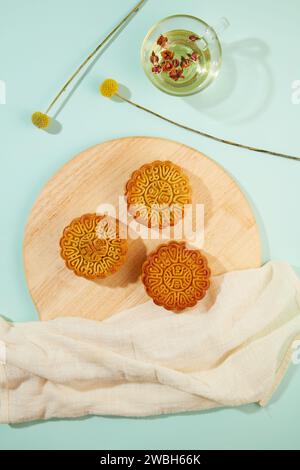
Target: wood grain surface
<point>98,176</point>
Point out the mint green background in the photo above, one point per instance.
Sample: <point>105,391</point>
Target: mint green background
<point>41,42</point>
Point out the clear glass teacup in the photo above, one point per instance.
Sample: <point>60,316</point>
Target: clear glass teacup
<point>182,54</point>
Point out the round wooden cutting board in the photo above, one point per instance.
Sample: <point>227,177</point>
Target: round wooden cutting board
<point>98,176</point>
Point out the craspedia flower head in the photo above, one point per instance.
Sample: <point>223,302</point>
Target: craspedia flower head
<point>40,120</point>
<point>109,87</point>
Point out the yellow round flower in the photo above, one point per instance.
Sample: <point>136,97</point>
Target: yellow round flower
<point>109,88</point>
<point>40,120</point>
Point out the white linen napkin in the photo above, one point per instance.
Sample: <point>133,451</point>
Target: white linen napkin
<point>232,349</point>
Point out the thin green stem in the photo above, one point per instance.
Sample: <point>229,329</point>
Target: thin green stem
<point>93,53</point>
<point>209,136</point>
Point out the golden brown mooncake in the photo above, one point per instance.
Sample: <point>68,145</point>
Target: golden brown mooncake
<point>176,277</point>
<point>157,193</point>
<point>91,246</point>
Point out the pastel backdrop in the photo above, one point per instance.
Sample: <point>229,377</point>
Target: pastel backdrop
<point>41,43</point>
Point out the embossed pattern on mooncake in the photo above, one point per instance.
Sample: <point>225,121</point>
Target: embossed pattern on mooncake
<point>91,246</point>
<point>156,194</point>
<point>176,277</point>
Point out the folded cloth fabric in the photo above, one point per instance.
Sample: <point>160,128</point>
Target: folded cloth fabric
<point>232,349</point>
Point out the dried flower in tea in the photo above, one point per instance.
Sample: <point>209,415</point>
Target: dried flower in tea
<point>154,59</point>
<point>156,69</point>
<point>167,54</point>
<point>185,62</point>
<point>193,38</point>
<point>162,41</point>
<point>175,74</point>
<point>194,56</point>
<point>167,66</point>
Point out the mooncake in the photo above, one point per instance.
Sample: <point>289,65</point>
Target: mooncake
<point>176,277</point>
<point>157,193</point>
<point>91,246</point>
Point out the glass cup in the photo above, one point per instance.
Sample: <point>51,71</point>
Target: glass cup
<point>182,55</point>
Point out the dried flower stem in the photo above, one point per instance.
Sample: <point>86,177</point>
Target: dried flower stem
<point>209,136</point>
<point>93,53</point>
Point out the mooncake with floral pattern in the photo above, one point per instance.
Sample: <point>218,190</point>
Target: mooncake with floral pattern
<point>157,193</point>
<point>176,277</point>
<point>93,247</point>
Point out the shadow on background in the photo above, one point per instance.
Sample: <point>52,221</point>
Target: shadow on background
<point>249,409</point>
<point>89,67</point>
<point>245,83</point>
